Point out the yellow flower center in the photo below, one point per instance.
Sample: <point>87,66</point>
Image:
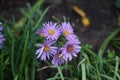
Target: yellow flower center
<point>66,32</point>
<point>51,32</point>
<point>70,48</point>
<point>46,48</point>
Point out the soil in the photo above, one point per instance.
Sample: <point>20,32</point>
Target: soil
<point>100,12</point>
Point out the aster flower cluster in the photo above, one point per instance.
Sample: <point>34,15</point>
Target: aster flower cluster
<point>2,39</point>
<point>54,47</point>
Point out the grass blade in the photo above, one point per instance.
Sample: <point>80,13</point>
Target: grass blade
<point>98,72</point>
<point>83,71</point>
<point>104,45</point>
<point>60,72</point>
<point>22,64</point>
<point>37,24</point>
<point>107,77</point>
<point>116,67</point>
<point>12,59</point>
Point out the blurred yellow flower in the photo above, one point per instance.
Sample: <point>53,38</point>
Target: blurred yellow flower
<point>79,11</point>
<point>85,21</point>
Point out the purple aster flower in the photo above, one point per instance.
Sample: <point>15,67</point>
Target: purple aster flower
<point>74,39</point>
<point>45,50</point>
<point>51,31</point>
<point>70,49</point>
<point>40,32</point>
<point>66,30</point>
<point>1,28</point>
<point>58,58</point>
<point>2,39</point>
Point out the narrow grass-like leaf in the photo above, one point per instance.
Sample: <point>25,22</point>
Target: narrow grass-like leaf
<point>37,24</point>
<point>83,71</point>
<point>33,70</point>
<point>12,59</point>
<point>22,21</point>
<point>107,77</point>
<point>16,77</point>
<point>30,7</point>
<point>89,50</point>
<point>9,33</point>
<point>117,75</point>
<point>22,64</point>
<point>104,45</point>
<point>58,78</point>
<point>1,66</point>
<point>116,67</point>
<point>117,45</point>
<point>56,19</point>
<point>98,72</point>
<point>60,72</point>
<point>56,75</point>
<point>26,72</point>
